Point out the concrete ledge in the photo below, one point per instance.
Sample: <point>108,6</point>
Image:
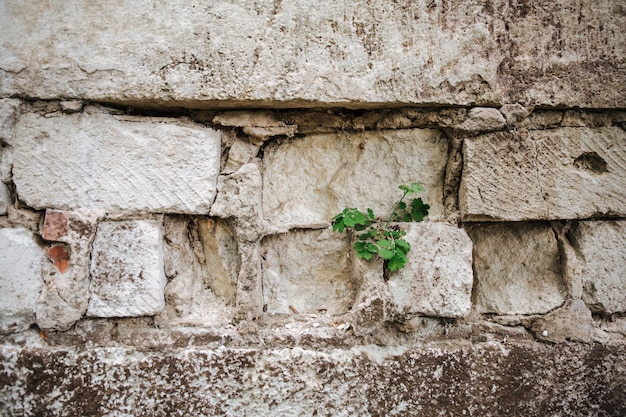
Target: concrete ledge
<point>489,379</point>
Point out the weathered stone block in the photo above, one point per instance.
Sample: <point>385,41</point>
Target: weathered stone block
<point>482,119</point>
<point>127,276</point>
<point>602,245</point>
<point>99,161</point>
<point>437,279</point>
<point>302,53</point>
<point>65,295</point>
<point>517,269</point>
<point>20,278</point>
<point>5,199</point>
<point>308,181</point>
<point>307,272</point>
<point>566,173</point>
<point>9,113</point>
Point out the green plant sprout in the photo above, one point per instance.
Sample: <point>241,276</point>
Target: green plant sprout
<point>379,236</point>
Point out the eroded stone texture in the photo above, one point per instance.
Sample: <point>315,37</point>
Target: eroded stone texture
<point>100,161</point>
<point>308,181</point>
<point>20,278</point>
<point>191,297</point>
<point>517,269</point>
<point>437,279</point>
<point>572,322</point>
<point>5,199</point>
<point>481,119</point>
<point>488,379</point>
<point>9,114</point>
<point>65,295</point>
<point>602,246</point>
<point>566,173</point>
<point>307,272</point>
<point>127,277</point>
<point>222,258</point>
<point>307,53</point>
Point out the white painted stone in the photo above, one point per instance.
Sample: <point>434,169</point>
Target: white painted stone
<point>437,279</point>
<point>307,272</point>
<point>20,279</point>
<point>127,276</point>
<point>9,113</point>
<point>602,245</point>
<point>565,173</point>
<point>305,53</point>
<point>100,161</point>
<point>517,269</point>
<point>308,181</point>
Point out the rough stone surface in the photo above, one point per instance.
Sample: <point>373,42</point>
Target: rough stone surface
<point>516,268</point>
<point>307,272</point>
<point>566,173</point>
<point>481,119</point>
<point>65,295</point>
<point>307,53</point>
<point>99,161</point>
<point>602,245</point>
<point>127,276</point>
<point>487,379</point>
<point>308,181</point>
<point>222,258</point>
<point>5,199</point>
<point>572,322</point>
<point>9,113</point>
<point>514,113</point>
<point>437,280</point>
<point>20,278</point>
<point>192,298</point>
<point>241,152</point>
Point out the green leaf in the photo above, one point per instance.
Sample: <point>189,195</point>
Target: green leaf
<point>370,213</point>
<point>419,210</point>
<point>403,245</point>
<point>386,253</point>
<point>384,243</point>
<point>339,226</point>
<point>396,262</point>
<point>416,187</point>
<point>372,248</point>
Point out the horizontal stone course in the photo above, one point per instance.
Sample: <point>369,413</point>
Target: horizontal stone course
<point>486,379</point>
<point>95,160</point>
<point>302,53</point>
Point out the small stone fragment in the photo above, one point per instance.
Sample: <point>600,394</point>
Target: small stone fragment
<point>71,106</point>
<point>481,119</point>
<point>571,322</point>
<point>514,113</point>
<point>55,224</point>
<point>59,257</point>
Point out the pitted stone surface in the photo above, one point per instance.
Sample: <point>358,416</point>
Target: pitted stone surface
<point>308,181</point>
<point>602,245</point>
<point>437,279</point>
<point>307,53</point>
<point>565,173</point>
<point>9,114</point>
<point>307,272</point>
<point>517,269</point>
<point>99,161</point>
<point>20,278</point>
<point>488,379</point>
<point>127,275</point>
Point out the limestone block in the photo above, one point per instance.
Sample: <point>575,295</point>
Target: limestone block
<point>20,278</point>
<point>191,296</point>
<point>127,276</point>
<point>100,161</point>
<point>241,152</point>
<point>308,181</point>
<point>482,119</point>
<point>5,199</point>
<point>437,279</point>
<point>517,269</point>
<point>302,53</point>
<point>222,258</point>
<point>307,272</point>
<point>602,245</point>
<point>9,113</point>
<point>572,322</point>
<point>565,173</point>
<point>65,295</point>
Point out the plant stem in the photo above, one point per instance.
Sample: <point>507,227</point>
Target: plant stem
<point>393,213</point>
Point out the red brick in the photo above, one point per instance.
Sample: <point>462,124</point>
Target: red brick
<point>55,225</point>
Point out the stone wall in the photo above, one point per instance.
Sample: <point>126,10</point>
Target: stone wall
<point>169,173</point>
